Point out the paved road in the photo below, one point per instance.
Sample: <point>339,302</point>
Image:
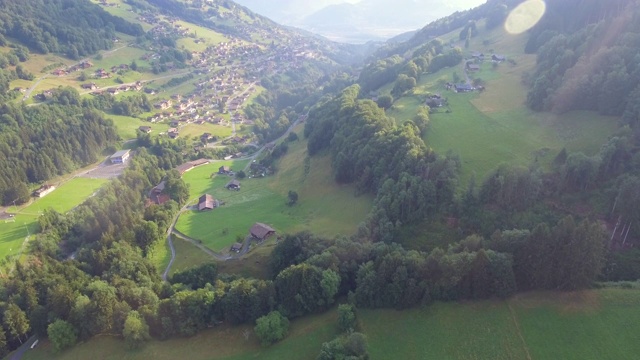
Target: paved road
<point>17,355</point>
<point>165,274</point>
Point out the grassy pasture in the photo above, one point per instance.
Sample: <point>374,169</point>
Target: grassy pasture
<point>127,126</point>
<point>124,11</point>
<point>187,256</point>
<point>67,196</point>
<point>160,255</point>
<point>195,130</point>
<point>595,324</point>
<point>495,126</point>
<point>323,208</point>
<point>119,55</point>
<point>225,342</point>
<point>587,325</point>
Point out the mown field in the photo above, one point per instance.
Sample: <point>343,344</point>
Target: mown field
<point>597,324</point>
<point>324,207</point>
<point>67,196</point>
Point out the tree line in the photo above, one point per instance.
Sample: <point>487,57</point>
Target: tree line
<point>410,181</point>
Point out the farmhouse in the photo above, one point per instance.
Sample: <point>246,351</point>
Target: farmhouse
<point>206,202</point>
<point>233,185</point>
<point>120,157</point>
<point>184,168</point>
<point>236,247</point>
<point>463,87</point>
<point>260,231</point>
<point>157,195</point>
<point>206,136</point>
<point>89,86</point>
<point>190,165</point>
<point>498,58</point>
<point>472,67</point>
<point>435,101</point>
<point>43,190</point>
<point>224,170</point>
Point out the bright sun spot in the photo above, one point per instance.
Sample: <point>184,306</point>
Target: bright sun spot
<point>525,16</point>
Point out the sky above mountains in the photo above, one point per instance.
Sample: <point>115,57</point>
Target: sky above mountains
<point>357,21</point>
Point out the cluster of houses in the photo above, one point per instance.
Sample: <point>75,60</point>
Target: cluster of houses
<point>77,67</point>
<point>475,55</point>
<point>164,28</point>
<point>113,90</point>
<point>102,74</point>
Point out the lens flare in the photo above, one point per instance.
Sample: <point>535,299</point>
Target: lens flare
<point>525,16</point>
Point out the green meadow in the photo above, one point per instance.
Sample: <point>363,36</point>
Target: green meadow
<point>67,196</point>
<point>495,126</point>
<point>127,126</point>
<point>593,324</point>
<point>323,208</point>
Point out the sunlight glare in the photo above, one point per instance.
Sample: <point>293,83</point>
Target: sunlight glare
<point>525,16</point>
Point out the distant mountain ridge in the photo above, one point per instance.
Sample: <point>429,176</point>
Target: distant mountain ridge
<point>357,22</point>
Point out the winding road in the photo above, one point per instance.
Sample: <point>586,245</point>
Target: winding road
<point>247,241</point>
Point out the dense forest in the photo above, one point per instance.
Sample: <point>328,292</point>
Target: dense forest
<point>595,68</point>
<point>41,142</point>
<point>73,27</point>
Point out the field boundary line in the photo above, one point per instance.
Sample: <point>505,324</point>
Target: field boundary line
<point>515,321</point>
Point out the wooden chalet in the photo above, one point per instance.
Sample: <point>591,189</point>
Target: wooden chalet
<point>206,202</point>
<point>260,231</point>
<point>233,185</point>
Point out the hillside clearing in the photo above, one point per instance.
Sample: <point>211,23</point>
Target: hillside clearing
<point>324,207</point>
<point>67,196</point>
<point>494,126</point>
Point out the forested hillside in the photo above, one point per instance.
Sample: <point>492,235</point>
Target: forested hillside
<point>73,27</point>
<point>595,67</point>
<point>42,142</point>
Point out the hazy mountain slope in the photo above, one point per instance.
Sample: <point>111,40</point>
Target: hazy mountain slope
<point>286,12</point>
<point>357,22</point>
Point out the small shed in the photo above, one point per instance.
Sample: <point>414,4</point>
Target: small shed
<point>145,129</point>
<point>233,185</point>
<point>224,170</point>
<point>236,247</point>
